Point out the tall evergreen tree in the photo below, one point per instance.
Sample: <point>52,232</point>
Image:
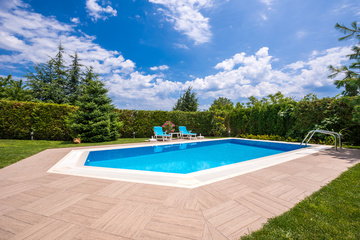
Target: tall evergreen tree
<point>95,120</point>
<point>351,81</point>
<point>74,82</point>
<point>61,86</point>
<point>49,81</point>
<point>188,102</point>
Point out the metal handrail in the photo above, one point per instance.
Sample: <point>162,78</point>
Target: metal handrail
<point>312,132</point>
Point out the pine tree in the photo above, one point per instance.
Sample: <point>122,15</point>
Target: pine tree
<point>95,120</point>
<point>49,82</point>
<point>74,82</point>
<point>351,81</point>
<point>187,102</point>
<point>60,81</point>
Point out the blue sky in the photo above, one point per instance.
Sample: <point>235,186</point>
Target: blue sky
<point>149,51</point>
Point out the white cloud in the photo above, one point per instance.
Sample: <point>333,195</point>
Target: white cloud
<point>239,58</point>
<point>98,12</point>
<point>139,91</point>
<point>179,45</point>
<point>256,77</point>
<point>186,17</point>
<point>268,3</point>
<point>32,37</point>
<point>161,68</point>
<point>75,20</point>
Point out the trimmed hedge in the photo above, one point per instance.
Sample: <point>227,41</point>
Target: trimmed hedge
<point>142,122</point>
<point>46,120</point>
<point>296,119</point>
<point>287,120</point>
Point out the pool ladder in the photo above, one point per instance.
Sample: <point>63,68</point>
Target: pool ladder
<point>312,132</point>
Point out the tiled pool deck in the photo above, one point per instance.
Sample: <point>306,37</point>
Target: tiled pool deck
<point>35,204</point>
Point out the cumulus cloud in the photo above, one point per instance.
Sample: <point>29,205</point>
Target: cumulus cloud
<point>140,91</point>
<point>186,17</point>
<point>31,38</point>
<point>98,12</point>
<point>255,76</point>
<point>161,68</point>
<point>75,20</point>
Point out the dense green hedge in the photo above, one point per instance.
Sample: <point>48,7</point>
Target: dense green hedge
<point>296,119</point>
<point>287,120</point>
<point>141,122</point>
<point>46,120</point>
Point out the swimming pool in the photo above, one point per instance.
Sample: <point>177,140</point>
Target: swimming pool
<point>186,158</point>
<point>75,162</point>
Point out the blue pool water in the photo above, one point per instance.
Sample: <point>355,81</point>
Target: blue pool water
<point>186,157</point>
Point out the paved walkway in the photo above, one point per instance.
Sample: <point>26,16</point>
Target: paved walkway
<point>37,205</point>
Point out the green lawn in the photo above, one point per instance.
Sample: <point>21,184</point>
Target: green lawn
<point>16,150</point>
<point>333,212</point>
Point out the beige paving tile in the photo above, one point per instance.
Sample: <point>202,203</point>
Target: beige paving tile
<point>49,229</point>
<point>25,216</point>
<point>12,225</point>
<point>233,228</point>
<point>210,232</point>
<point>173,221</point>
<point>208,197</point>
<point>89,186</point>
<point>18,200</point>
<point>251,180</point>
<point>126,219</point>
<point>54,203</point>
<point>90,234</point>
<point>152,235</point>
<point>41,191</point>
<point>151,194</point>
<point>5,235</point>
<point>182,198</point>
<point>5,209</point>
<point>13,189</point>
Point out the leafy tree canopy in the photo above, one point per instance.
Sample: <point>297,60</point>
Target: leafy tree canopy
<point>351,80</point>
<point>222,104</point>
<point>270,99</point>
<point>188,102</point>
<point>15,90</point>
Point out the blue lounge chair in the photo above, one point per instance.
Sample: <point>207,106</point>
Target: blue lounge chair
<point>159,133</point>
<point>184,132</point>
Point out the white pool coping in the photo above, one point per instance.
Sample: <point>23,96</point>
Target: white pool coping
<point>73,164</point>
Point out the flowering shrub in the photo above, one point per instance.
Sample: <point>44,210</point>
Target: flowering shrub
<point>168,126</point>
<point>218,125</point>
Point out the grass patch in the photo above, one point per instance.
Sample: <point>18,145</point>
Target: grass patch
<point>13,151</point>
<point>333,212</point>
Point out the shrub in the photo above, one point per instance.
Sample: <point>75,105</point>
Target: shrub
<point>46,120</point>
